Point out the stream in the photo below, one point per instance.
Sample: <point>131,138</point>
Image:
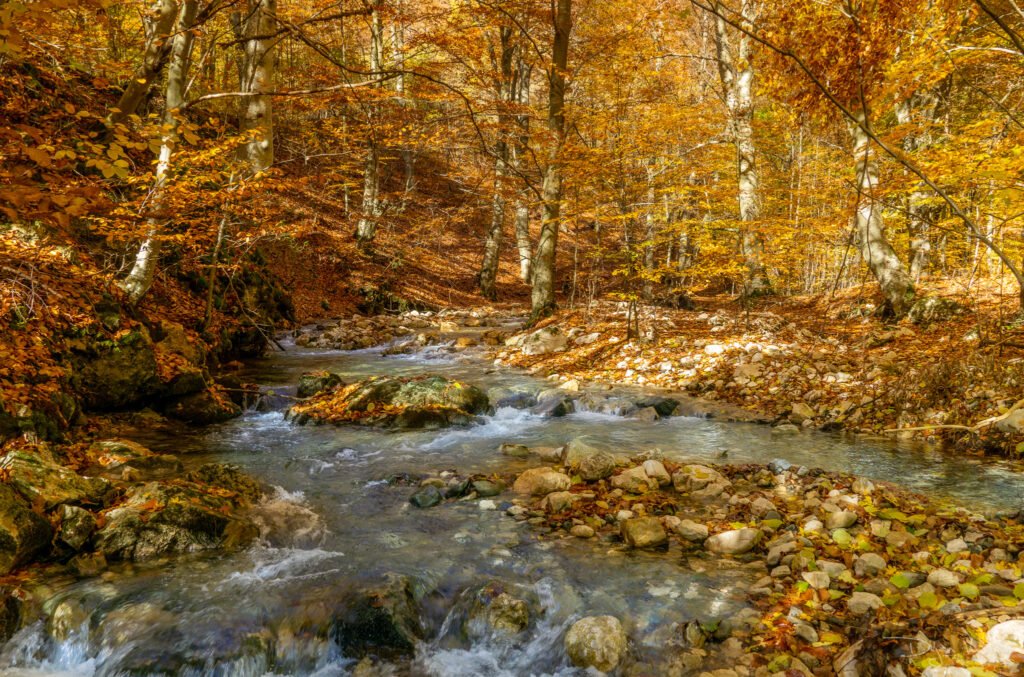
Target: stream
<point>268,609</point>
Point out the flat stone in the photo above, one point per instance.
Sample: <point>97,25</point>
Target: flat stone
<point>869,564</point>
<point>634,481</point>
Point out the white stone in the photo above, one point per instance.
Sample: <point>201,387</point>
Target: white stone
<point>1003,640</point>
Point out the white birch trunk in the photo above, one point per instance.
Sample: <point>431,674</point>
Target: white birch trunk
<point>367,226</point>
<point>140,279</point>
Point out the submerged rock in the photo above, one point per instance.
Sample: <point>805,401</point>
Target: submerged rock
<point>381,621</point>
<point>422,402</point>
<point>426,497</point>
<point>596,642</point>
<point>553,403</point>
<point>495,611</point>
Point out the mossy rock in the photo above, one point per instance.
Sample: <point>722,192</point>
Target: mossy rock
<point>315,382</point>
<point>423,402</point>
<point>23,533</point>
<point>115,374</point>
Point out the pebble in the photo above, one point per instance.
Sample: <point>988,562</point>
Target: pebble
<point>582,531</point>
<point>861,603</point>
<point>488,505</point>
<point>818,580</point>
<point>943,578</point>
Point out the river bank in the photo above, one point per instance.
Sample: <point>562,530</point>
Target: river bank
<point>492,580</point>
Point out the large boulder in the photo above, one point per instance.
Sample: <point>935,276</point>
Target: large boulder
<point>111,374</point>
<point>315,382</point>
<point>422,402</point>
<point>42,481</point>
<point>545,341</point>
<point>596,642</point>
<point>23,533</point>
<point>204,408</point>
<point>158,519</point>
<point>382,621</point>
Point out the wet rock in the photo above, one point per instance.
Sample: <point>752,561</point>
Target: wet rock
<point>315,382</point>
<point>511,397</point>
<point>785,429</point>
<point>577,451</point>
<point>381,621</point>
<point>734,542</point>
<point>634,481</point>
<point>656,471</point>
<point>514,450</point>
<point>861,603</point>
<point>691,531</point>
<point>1003,640</point>
<point>76,526</point>
<point>663,406</point>
<point>648,414</point>
<point>541,482</point>
<point>115,457</point>
<point>426,497</point>
<point>227,477</point>
<point>41,480</point>
<point>498,612</point>
<point>23,533</point>
<point>643,532</point>
<point>553,404</point>
<point>12,613</point>
<point>596,642</point>
<point>205,408</point>
<point>544,341</point>
<point>88,564</point>
<point>487,488</point>
<point>423,402</point>
<point>158,519</point>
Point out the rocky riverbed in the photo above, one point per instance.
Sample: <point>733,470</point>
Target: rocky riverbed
<point>566,526</point>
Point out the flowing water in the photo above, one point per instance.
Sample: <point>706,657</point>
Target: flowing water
<point>268,609</point>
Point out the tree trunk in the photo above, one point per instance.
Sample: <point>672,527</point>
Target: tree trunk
<point>523,243</point>
<point>140,279</point>
<point>543,296</point>
<point>736,72</point>
<point>158,25</point>
<point>878,254</point>
<point>257,75</point>
<point>505,91</point>
<point>367,227</point>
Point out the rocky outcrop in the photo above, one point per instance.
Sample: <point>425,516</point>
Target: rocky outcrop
<point>23,533</point>
<point>315,382</point>
<point>423,402</point>
<point>110,374</point>
<point>42,481</point>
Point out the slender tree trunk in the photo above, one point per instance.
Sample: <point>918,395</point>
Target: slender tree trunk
<point>398,40</point>
<point>158,25</point>
<point>893,278</point>
<point>367,227</point>
<point>505,91</point>
<point>543,296</point>
<point>736,71</point>
<point>257,75</point>
<point>140,279</point>
<point>522,218</point>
